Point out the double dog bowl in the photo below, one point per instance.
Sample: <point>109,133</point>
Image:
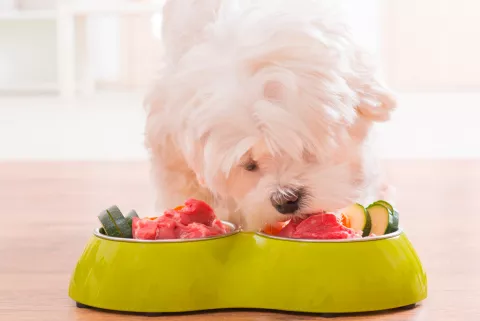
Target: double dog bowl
<point>249,270</point>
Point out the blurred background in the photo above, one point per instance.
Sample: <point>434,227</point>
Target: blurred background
<point>73,74</point>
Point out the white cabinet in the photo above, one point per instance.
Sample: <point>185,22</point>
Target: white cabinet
<point>61,59</point>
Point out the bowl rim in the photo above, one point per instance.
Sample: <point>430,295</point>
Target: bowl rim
<point>363,239</point>
<point>234,230</point>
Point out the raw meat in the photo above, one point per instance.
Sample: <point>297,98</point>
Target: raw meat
<point>195,219</point>
<point>290,228</point>
<point>145,229</point>
<point>193,211</point>
<point>165,228</point>
<point>195,231</point>
<point>318,226</point>
<point>199,212</point>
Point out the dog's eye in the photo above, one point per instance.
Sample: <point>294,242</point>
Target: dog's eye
<point>251,166</point>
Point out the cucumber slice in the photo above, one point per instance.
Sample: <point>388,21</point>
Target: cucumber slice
<point>384,221</point>
<point>120,222</point>
<point>114,223</point>
<point>129,217</point>
<point>359,218</point>
<point>394,220</point>
<point>108,224</point>
<point>386,204</point>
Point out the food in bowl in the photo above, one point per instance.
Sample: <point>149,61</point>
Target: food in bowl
<point>356,221</point>
<point>195,219</point>
<point>319,226</point>
<point>115,224</point>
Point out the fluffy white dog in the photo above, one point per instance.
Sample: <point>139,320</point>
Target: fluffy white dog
<point>264,110</point>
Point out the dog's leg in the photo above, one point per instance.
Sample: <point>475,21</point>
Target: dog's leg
<point>174,180</point>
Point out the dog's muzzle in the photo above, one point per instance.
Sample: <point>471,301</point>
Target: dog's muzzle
<point>286,201</point>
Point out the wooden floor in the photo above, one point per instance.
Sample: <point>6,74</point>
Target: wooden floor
<point>49,209</point>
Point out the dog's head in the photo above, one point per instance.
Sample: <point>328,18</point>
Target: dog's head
<point>272,109</point>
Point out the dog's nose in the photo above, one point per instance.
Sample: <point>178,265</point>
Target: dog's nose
<point>287,208</point>
<point>287,205</point>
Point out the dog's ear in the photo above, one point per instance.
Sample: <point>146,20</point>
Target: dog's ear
<point>376,102</point>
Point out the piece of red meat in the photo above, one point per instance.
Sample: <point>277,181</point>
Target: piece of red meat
<point>323,226</point>
<point>178,216</point>
<point>290,228</point>
<point>194,220</point>
<point>198,212</point>
<point>194,211</point>
<point>144,229</point>
<point>196,230</point>
<point>165,228</point>
<point>325,235</point>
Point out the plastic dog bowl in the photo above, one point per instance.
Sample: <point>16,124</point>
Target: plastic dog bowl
<point>249,270</point>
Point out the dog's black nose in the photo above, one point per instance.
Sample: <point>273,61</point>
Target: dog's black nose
<point>286,205</point>
<point>287,208</point>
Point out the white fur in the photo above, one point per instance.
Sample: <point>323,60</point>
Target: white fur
<point>279,82</point>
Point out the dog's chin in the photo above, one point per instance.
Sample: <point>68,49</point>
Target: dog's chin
<point>304,214</point>
<point>257,220</point>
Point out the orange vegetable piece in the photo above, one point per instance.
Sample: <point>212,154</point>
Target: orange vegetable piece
<point>345,220</point>
<point>274,229</point>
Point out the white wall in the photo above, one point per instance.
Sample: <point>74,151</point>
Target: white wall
<point>125,51</point>
<point>27,53</point>
<point>36,4</point>
<point>432,45</point>
<point>426,45</point>
<point>364,19</point>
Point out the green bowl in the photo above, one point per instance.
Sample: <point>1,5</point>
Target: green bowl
<point>249,270</point>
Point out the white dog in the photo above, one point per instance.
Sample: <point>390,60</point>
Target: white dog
<point>263,109</point>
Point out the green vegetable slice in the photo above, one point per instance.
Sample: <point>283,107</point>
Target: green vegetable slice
<point>359,219</point>
<point>384,221</point>
<point>114,223</point>
<point>130,217</point>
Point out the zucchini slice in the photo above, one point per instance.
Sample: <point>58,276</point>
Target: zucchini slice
<point>384,221</point>
<point>114,223</point>
<point>395,219</point>
<point>120,222</point>
<point>129,217</point>
<point>108,224</point>
<point>386,204</point>
<point>359,218</point>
